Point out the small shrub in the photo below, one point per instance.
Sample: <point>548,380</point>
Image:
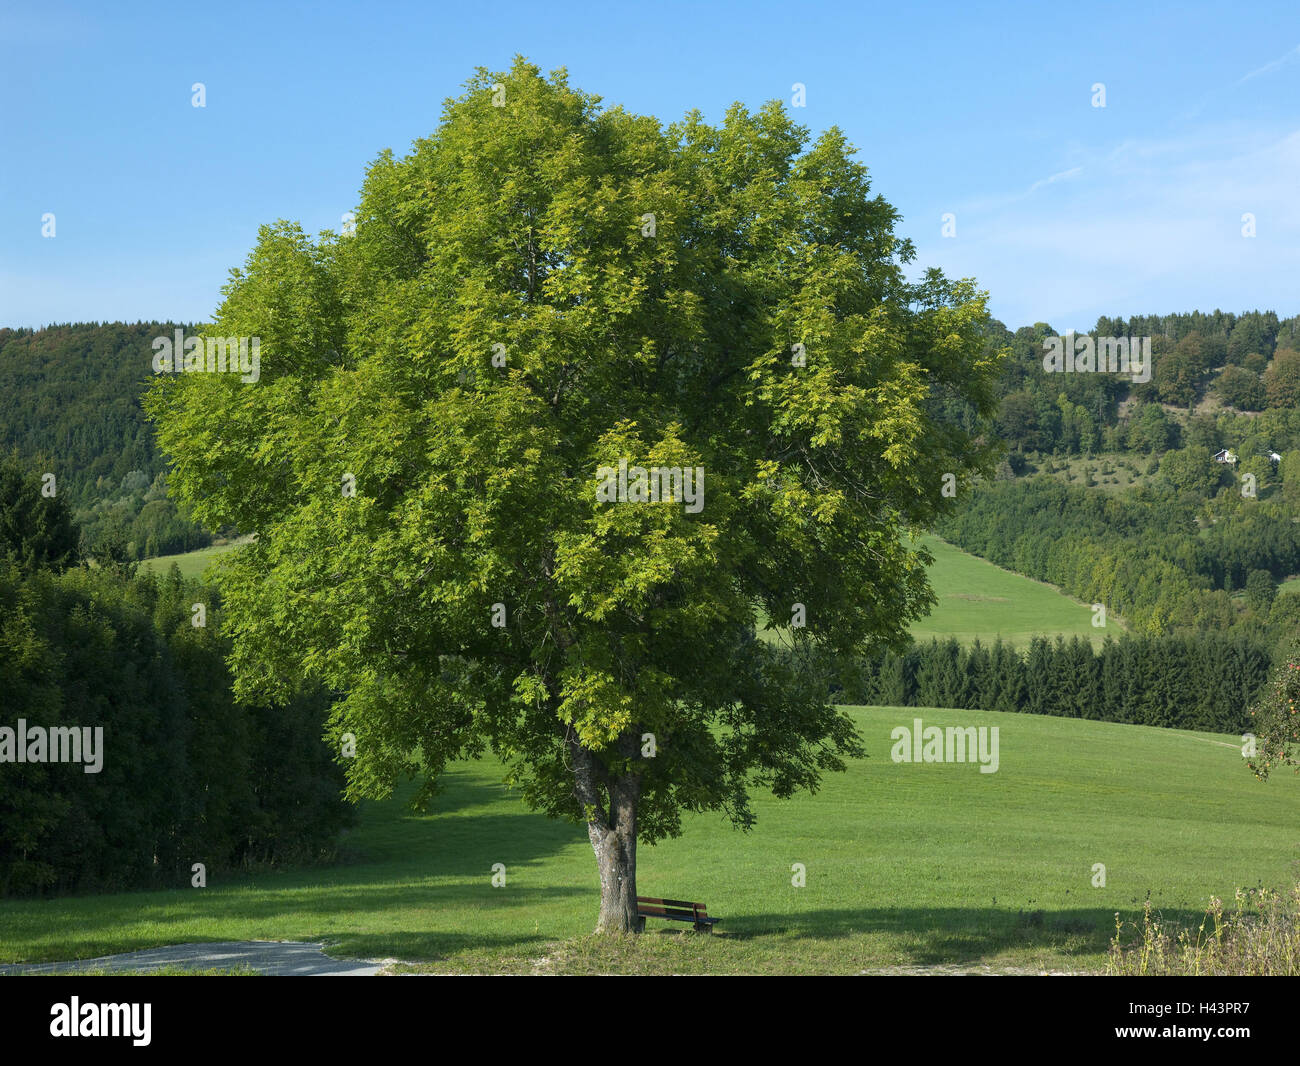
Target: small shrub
<point>1260,937</point>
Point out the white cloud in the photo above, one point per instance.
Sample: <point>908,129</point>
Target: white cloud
<point>1268,68</point>
<point>1055,178</point>
<point>1155,227</point>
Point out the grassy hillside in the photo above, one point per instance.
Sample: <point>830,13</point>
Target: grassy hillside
<point>906,865</point>
<point>190,564</point>
<point>978,599</point>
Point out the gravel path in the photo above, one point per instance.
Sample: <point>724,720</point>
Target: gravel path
<point>275,958</point>
<point>289,958</point>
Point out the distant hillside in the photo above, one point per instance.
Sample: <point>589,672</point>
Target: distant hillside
<point>70,405</point>
<point>1212,364</point>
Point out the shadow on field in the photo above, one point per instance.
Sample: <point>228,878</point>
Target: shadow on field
<point>434,947</point>
<point>416,868</point>
<point>930,936</point>
<point>454,847</point>
<point>332,911</point>
<point>414,887</point>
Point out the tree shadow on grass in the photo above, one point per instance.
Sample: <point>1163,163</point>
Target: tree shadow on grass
<point>451,847</point>
<point>431,865</point>
<point>936,935</point>
<point>424,934</point>
<point>461,830</point>
<point>472,951</point>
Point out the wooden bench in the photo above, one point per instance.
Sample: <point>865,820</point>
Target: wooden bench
<point>675,910</point>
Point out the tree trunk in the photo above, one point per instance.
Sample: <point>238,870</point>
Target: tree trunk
<point>614,843</point>
<point>612,830</point>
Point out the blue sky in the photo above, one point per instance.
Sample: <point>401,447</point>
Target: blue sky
<point>1064,211</point>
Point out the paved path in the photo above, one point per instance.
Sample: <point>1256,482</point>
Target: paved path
<point>275,958</point>
<point>289,958</point>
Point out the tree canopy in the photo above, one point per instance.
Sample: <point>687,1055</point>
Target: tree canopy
<point>543,288</point>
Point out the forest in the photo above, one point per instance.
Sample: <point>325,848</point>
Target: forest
<point>70,405</point>
<point>1197,681</point>
<point>190,774</point>
<point>1222,369</point>
<point>1163,560</point>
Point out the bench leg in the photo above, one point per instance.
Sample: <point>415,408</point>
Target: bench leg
<point>640,924</point>
<point>704,927</point>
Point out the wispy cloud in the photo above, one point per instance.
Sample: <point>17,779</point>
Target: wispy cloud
<point>1157,226</point>
<point>1062,176</point>
<point>1268,68</point>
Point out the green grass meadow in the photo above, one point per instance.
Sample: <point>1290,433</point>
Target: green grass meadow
<point>191,564</point>
<point>980,600</point>
<point>907,866</point>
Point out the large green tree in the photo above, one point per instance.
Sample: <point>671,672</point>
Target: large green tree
<point>542,288</point>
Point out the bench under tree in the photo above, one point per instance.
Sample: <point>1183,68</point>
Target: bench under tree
<point>674,910</point>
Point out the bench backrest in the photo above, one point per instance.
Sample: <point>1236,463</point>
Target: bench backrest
<point>671,908</point>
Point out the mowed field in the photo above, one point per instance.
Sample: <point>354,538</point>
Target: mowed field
<point>191,564</point>
<point>907,866</point>
<point>980,600</point>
